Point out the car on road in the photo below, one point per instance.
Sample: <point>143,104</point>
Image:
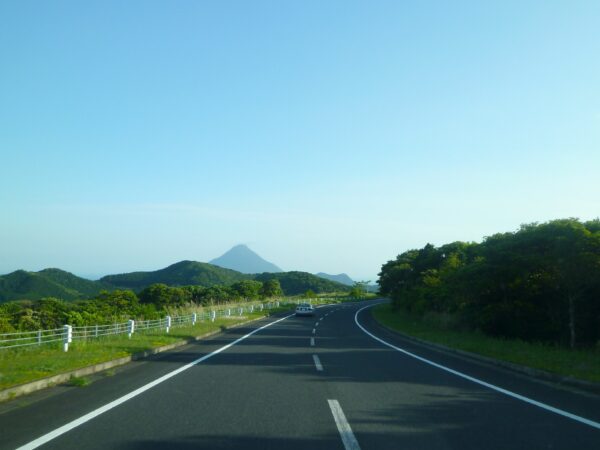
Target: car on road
<point>305,309</point>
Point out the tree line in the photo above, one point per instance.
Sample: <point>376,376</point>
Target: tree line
<point>540,283</point>
<point>108,307</point>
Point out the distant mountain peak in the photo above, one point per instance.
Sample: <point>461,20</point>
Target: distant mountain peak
<point>244,260</point>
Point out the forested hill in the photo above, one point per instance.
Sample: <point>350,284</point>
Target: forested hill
<point>47,283</point>
<point>294,283</point>
<point>22,285</point>
<point>540,283</point>
<point>179,274</point>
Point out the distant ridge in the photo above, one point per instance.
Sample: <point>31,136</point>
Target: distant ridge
<point>340,278</point>
<point>23,285</point>
<point>296,283</point>
<point>179,274</point>
<point>244,260</point>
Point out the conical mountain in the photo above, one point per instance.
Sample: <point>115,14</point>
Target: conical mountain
<point>244,260</point>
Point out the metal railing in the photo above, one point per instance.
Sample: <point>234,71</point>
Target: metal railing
<point>68,333</point>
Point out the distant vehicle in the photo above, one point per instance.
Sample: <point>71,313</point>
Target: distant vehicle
<point>305,309</point>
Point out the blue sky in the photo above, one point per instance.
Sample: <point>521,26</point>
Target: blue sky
<point>328,136</point>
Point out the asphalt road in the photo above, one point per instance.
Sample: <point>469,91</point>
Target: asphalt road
<point>274,389</point>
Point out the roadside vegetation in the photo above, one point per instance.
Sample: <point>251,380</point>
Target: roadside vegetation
<point>539,284</point>
<point>22,365</point>
<point>531,297</point>
<point>153,302</point>
<point>25,364</point>
<point>583,364</point>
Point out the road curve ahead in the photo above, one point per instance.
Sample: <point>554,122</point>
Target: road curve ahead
<point>333,381</point>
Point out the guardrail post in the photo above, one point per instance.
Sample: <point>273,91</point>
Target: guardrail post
<point>241,311</point>
<point>39,337</point>
<point>261,306</point>
<point>277,304</point>
<point>130,327</point>
<point>213,315</point>
<point>67,337</point>
<point>96,333</point>
<point>228,312</point>
<point>168,323</point>
<point>194,318</point>
<point>251,308</point>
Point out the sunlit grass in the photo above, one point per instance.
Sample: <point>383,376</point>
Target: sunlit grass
<point>583,364</point>
<point>22,365</point>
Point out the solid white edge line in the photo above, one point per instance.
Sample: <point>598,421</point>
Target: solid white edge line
<point>348,438</point>
<point>89,416</point>
<point>560,412</point>
<point>318,364</point>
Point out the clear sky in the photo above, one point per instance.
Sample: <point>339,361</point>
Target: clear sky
<point>326,135</point>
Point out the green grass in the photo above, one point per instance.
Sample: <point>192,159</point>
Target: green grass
<point>79,381</point>
<point>583,364</point>
<point>22,365</point>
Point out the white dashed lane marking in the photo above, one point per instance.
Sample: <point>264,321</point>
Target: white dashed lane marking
<point>318,364</point>
<point>348,439</point>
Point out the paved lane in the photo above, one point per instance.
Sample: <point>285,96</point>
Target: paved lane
<point>318,383</point>
<point>395,401</point>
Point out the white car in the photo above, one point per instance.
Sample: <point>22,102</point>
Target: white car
<point>305,309</point>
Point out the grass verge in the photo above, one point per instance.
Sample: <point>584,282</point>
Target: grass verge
<point>23,365</point>
<point>581,364</point>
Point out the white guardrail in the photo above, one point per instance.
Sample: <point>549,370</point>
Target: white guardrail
<point>68,333</point>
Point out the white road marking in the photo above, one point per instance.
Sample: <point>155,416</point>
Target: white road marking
<point>348,439</point>
<point>314,331</point>
<point>91,415</point>
<point>312,341</point>
<point>316,324</point>
<point>560,412</point>
<point>318,364</point>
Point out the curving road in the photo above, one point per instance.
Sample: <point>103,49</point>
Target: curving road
<point>322,382</point>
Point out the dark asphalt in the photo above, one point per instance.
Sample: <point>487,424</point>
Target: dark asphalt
<point>265,393</point>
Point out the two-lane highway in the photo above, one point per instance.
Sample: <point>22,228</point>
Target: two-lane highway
<point>320,382</point>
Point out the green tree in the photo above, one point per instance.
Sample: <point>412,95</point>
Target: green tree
<point>52,312</point>
<point>247,289</point>
<point>116,304</point>
<point>359,289</point>
<point>539,283</point>
<point>163,296</point>
<point>271,288</point>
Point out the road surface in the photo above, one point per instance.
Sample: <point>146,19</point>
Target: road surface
<point>320,382</point>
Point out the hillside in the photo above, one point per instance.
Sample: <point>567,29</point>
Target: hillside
<point>244,260</point>
<point>340,278</point>
<point>295,283</point>
<point>23,285</point>
<point>179,274</point>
